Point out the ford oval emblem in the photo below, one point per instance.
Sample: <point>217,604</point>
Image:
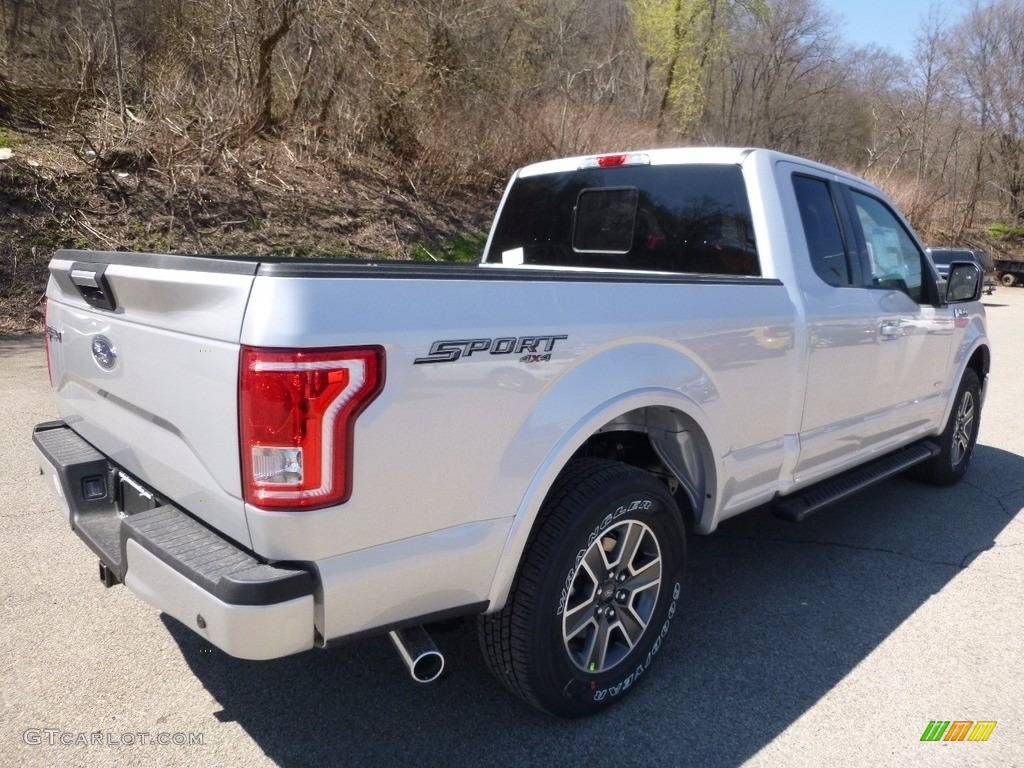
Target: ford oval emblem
<point>104,353</point>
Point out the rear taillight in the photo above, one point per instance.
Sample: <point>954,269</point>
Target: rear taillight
<point>297,411</point>
<point>47,341</point>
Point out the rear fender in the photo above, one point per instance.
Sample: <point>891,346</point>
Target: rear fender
<point>647,381</point>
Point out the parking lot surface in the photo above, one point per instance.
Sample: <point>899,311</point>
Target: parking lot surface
<point>832,643</point>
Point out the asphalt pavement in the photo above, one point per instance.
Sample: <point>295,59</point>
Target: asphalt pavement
<point>830,643</point>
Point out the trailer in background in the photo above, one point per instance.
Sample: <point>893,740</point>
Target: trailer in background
<point>1009,273</point>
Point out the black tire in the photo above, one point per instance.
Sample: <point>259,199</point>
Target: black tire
<point>571,643</point>
<point>957,440</point>
<point>1008,279</point>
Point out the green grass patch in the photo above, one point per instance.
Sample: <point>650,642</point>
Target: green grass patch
<point>462,248</point>
<point>1005,231</point>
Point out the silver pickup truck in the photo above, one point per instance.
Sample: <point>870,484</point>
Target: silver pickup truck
<point>285,453</point>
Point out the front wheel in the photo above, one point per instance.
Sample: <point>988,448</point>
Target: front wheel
<point>595,594</point>
<point>1008,279</point>
<point>956,443</point>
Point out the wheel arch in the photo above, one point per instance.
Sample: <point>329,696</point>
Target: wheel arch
<point>978,358</point>
<point>667,442</point>
<point>979,361</point>
<point>675,432</point>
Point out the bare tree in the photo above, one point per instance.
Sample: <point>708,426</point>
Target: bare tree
<point>781,82</point>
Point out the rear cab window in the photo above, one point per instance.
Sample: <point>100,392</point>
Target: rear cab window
<point>660,218</point>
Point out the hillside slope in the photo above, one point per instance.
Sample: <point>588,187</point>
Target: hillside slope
<point>263,200</point>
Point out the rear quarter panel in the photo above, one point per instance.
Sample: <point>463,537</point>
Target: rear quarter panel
<point>448,444</point>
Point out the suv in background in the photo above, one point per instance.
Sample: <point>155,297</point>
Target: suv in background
<point>943,257</point>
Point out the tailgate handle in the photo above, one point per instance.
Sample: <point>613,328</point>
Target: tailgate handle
<point>84,279</point>
<point>92,285</point>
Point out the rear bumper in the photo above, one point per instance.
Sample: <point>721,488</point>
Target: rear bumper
<point>247,608</point>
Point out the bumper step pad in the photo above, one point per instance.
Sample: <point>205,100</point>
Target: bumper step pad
<point>214,563</point>
<point>217,565</point>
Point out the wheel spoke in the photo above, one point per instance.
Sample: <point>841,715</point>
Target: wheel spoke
<point>648,576</point>
<point>577,619</point>
<point>967,419</point>
<point>632,625</point>
<point>596,562</point>
<point>629,544</point>
<point>597,647</point>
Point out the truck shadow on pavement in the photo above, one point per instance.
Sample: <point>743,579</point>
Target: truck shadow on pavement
<point>774,616</point>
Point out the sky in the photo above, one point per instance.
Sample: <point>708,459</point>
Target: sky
<point>888,24</point>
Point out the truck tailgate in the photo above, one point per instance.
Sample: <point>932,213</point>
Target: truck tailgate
<point>144,360</point>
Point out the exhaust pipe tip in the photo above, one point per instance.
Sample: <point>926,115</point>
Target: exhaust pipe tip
<point>419,654</point>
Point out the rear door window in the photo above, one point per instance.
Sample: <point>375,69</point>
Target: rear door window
<point>820,219</point>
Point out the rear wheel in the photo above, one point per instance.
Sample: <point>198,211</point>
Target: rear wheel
<point>1008,279</point>
<point>595,594</point>
<point>956,443</point>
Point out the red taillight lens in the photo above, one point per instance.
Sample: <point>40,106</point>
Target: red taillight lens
<point>297,411</point>
<point>616,161</point>
<point>47,341</point>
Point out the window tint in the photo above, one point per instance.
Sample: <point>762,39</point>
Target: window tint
<point>894,260</point>
<point>821,228</point>
<point>665,218</point>
<point>605,220</point>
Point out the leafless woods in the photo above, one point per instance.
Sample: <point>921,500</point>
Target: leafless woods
<point>455,93</point>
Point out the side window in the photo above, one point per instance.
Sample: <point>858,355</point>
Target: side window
<point>821,229</point>
<point>893,259</point>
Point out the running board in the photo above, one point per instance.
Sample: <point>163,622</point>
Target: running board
<point>803,503</point>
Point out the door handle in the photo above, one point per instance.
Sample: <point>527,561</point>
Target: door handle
<point>891,330</point>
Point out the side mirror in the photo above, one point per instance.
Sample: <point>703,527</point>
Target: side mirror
<point>964,282</point>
